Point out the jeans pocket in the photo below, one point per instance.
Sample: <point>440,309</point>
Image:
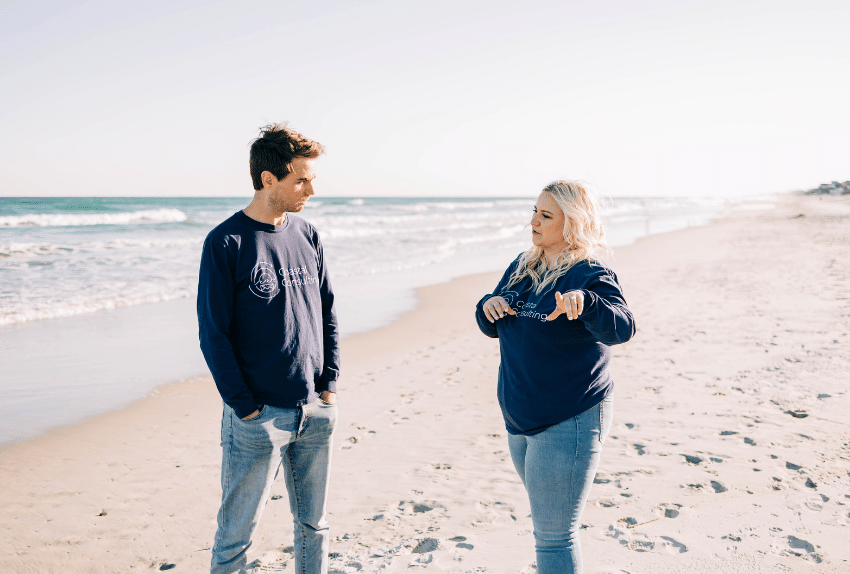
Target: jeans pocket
<point>263,410</point>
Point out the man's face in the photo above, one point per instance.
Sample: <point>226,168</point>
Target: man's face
<point>293,191</point>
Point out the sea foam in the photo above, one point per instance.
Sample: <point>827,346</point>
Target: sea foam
<point>164,215</point>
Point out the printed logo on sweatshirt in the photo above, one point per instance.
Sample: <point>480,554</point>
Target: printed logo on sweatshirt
<point>264,281</point>
<point>523,309</point>
<point>297,276</point>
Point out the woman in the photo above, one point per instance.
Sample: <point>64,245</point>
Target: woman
<point>556,311</point>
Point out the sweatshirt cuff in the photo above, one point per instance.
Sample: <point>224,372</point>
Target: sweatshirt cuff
<point>327,384</point>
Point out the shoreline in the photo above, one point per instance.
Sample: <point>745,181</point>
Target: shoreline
<point>92,370</point>
<point>728,449</point>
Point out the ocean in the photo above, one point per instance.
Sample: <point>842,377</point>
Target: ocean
<point>97,294</point>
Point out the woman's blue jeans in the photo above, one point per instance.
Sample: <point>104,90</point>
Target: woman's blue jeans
<point>557,467</point>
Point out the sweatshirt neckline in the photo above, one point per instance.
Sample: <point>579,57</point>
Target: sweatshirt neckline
<point>267,227</point>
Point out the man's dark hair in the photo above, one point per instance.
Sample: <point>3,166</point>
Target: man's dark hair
<point>275,149</point>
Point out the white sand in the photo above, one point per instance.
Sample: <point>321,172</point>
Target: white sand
<point>739,324</point>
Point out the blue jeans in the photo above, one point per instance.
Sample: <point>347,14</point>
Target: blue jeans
<point>557,467</point>
<point>253,452</point>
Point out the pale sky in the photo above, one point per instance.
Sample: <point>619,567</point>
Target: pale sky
<point>439,98</point>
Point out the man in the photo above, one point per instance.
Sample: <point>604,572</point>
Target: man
<point>268,332</point>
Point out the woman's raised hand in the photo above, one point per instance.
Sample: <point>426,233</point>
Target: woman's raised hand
<point>571,305</point>
<point>496,307</point>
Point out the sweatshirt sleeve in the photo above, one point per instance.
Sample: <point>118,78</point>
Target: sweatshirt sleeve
<point>330,328</point>
<point>484,323</point>
<point>606,314</point>
<point>215,311</point>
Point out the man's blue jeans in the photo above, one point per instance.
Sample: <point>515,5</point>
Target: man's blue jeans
<point>253,452</point>
<point>557,467</point>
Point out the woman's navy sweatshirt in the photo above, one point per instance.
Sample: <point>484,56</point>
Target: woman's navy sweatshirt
<point>554,370</point>
<point>266,316</point>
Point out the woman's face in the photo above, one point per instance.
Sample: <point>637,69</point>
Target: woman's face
<point>547,224</point>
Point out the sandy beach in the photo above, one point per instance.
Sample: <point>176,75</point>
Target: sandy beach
<point>730,450</point>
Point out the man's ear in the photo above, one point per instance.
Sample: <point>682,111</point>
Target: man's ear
<point>268,179</point>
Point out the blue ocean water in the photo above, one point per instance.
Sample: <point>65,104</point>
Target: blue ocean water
<point>97,294</point>
<point>67,256</point>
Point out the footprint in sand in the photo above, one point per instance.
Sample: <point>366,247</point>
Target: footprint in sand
<point>800,544</point>
<point>461,543</point>
<point>616,533</point>
<point>412,507</point>
<point>274,561</point>
<point>673,546</point>
<point>671,510</point>
<point>693,459</point>
<point>639,448</point>
<point>640,543</point>
<point>718,487</point>
<point>808,549</point>
<point>495,512</point>
<point>426,545</point>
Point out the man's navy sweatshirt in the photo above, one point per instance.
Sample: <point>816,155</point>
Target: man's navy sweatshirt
<point>266,317</point>
<point>554,370</point>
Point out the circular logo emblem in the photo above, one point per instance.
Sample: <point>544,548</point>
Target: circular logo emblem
<point>264,281</point>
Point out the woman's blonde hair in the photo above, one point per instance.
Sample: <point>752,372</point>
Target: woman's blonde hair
<point>582,230</point>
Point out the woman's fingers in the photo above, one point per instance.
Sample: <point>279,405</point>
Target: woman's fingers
<point>559,307</point>
<point>496,307</point>
<point>575,304</point>
<point>571,305</point>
